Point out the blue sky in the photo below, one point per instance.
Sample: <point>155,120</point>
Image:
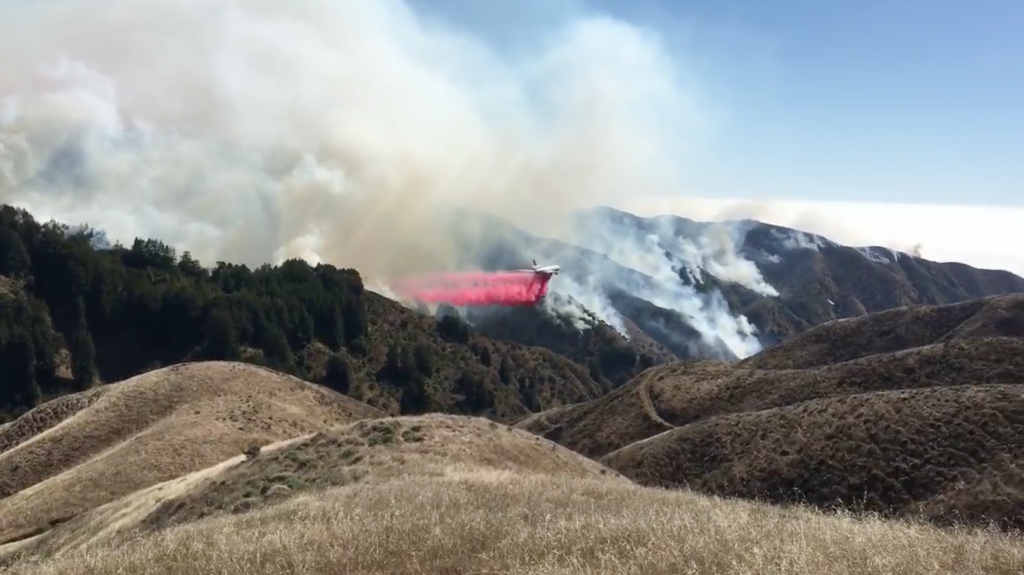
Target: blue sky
<point>911,101</point>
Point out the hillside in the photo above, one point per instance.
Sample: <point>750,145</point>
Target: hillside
<point>678,394</point>
<point>83,450</point>
<point>370,452</point>
<point>451,494</point>
<point>816,279</point>
<point>687,288</point>
<point>896,329</point>
<point>949,454</point>
<point>76,314</point>
<point>921,417</point>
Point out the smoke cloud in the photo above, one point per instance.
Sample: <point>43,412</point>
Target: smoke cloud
<point>262,130</point>
<point>339,132</point>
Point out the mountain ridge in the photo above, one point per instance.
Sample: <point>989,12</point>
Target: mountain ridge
<point>748,287</point>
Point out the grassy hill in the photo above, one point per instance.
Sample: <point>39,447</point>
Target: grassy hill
<point>87,449</point>
<point>716,427</point>
<point>455,494</point>
<point>895,329</point>
<point>370,452</point>
<point>951,454</point>
<point>677,394</point>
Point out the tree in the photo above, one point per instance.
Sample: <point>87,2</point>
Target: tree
<point>220,341</point>
<point>14,259</point>
<point>453,329</point>
<point>191,267</point>
<point>339,374</point>
<point>476,395</point>
<point>485,356</point>
<point>353,314</point>
<point>505,370</point>
<point>415,398</point>
<point>277,351</point>
<point>424,358</point>
<point>83,360</point>
<point>83,352</point>
<point>17,363</point>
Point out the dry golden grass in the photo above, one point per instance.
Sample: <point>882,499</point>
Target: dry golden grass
<point>682,393</point>
<point>893,330</point>
<point>473,519</point>
<point>449,494</point>
<point>82,451</point>
<point>607,423</point>
<point>949,454</point>
<point>365,452</point>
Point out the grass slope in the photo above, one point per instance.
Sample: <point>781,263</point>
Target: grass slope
<point>368,452</point>
<point>80,451</point>
<point>678,394</point>
<point>946,453</point>
<point>893,330</point>
<point>472,497</point>
<point>600,426</point>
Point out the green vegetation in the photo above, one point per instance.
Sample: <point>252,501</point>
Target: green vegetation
<point>75,312</point>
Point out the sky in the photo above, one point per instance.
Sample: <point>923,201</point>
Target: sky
<point>239,128</point>
<point>918,101</point>
<point>892,122</point>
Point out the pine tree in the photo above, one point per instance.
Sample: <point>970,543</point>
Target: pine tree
<point>339,374</point>
<point>220,341</point>
<point>83,360</point>
<point>17,362</point>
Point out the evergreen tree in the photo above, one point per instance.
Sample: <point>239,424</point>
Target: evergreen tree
<point>415,398</point>
<point>424,358</point>
<point>18,386</point>
<point>476,395</point>
<point>277,351</point>
<point>83,360</point>
<point>221,343</point>
<point>14,259</point>
<point>339,374</point>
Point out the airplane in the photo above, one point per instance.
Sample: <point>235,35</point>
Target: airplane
<point>547,270</point>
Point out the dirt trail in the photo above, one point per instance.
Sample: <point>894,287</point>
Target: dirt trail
<point>644,389</point>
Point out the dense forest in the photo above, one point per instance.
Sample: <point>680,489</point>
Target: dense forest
<point>76,312</point>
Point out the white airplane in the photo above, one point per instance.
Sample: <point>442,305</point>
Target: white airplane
<point>548,270</point>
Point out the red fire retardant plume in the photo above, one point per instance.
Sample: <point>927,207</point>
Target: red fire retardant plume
<point>475,288</point>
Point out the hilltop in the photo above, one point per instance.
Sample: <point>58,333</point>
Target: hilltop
<point>372,451</point>
<point>159,473</point>
<point>83,450</point>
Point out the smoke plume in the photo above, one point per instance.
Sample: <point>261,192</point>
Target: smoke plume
<point>333,131</point>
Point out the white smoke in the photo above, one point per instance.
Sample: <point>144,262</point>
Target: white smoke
<point>797,240</point>
<point>630,249</point>
<point>335,131</point>
<point>590,295</point>
<point>718,253</point>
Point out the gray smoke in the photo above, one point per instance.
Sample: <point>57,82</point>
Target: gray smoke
<point>336,131</point>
